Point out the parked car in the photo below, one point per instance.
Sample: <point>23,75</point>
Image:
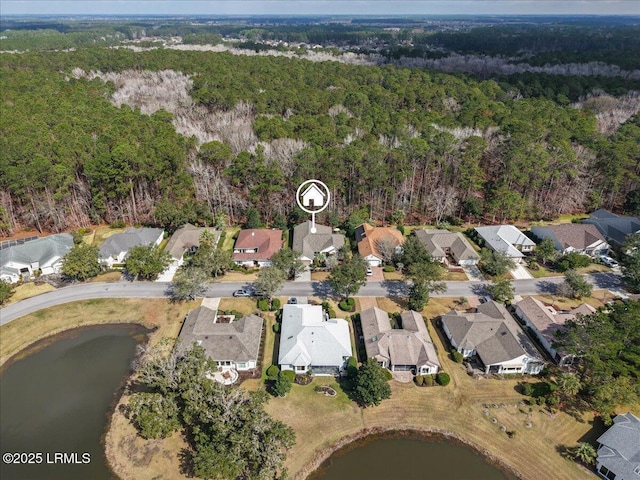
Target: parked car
<point>292,301</point>
<point>369,271</point>
<point>608,261</point>
<point>242,293</point>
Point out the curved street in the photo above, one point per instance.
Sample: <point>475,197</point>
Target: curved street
<point>88,291</point>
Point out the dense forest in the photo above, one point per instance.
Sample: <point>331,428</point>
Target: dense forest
<point>164,136</point>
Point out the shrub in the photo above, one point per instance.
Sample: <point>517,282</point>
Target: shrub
<point>443,379</point>
<point>427,381</point>
<point>387,374</point>
<point>345,306</point>
<point>273,371</point>
<point>118,224</point>
<point>456,356</point>
<point>527,389</point>
<point>289,374</point>
<point>352,367</point>
<point>331,312</point>
<point>263,304</point>
<point>419,380</point>
<point>400,229</point>
<point>275,305</point>
<point>388,268</point>
<point>351,301</point>
<point>276,328</point>
<point>573,261</point>
<point>282,384</point>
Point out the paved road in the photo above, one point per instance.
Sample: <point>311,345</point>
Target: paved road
<point>609,281</point>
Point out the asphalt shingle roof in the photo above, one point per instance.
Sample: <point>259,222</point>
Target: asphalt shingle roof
<point>309,243</point>
<point>614,227</point>
<point>575,235</point>
<point>131,237</point>
<point>502,238</point>
<point>266,242</point>
<point>436,241</point>
<point>184,238</point>
<point>45,251</point>
<point>368,238</point>
<point>620,447</point>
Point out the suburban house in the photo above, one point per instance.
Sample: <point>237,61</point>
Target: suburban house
<point>373,241</point>
<point>42,255</point>
<point>115,249</point>
<point>492,336</point>
<point>403,349</point>
<point>507,239</point>
<point>186,239</point>
<point>323,242</point>
<point>232,343</point>
<point>544,320</point>
<point>444,246</point>
<point>311,341</point>
<point>615,228</point>
<point>619,449</point>
<point>255,247</point>
<point>574,237</point>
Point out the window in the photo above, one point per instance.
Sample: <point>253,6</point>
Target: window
<point>241,364</point>
<point>607,473</point>
<point>301,369</point>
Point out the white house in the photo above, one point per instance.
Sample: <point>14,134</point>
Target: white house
<point>42,255</point>
<point>313,196</point>
<point>115,249</point>
<point>233,343</point>
<point>492,336</point>
<point>574,237</point>
<point>310,341</point>
<point>507,239</point>
<point>402,349</point>
<point>619,449</point>
<point>544,320</point>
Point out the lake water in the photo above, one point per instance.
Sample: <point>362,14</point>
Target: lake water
<point>58,400</point>
<point>391,457</point>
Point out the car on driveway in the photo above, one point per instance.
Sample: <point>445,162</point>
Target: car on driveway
<point>608,261</point>
<point>242,293</point>
<point>369,271</point>
<point>292,301</point>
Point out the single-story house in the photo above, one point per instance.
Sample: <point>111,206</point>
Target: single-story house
<point>42,254</point>
<point>492,336</point>
<point>507,239</point>
<point>255,246</point>
<point>323,242</point>
<point>115,249</point>
<point>404,349</point>
<point>544,320</point>
<point>311,341</point>
<point>440,243</point>
<point>371,240</point>
<point>574,237</point>
<point>186,239</point>
<point>615,228</point>
<point>619,449</point>
<point>233,343</point>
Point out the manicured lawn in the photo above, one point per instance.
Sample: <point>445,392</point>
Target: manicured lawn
<point>543,272</point>
<point>246,305</point>
<point>107,277</point>
<point>229,241</point>
<point>393,275</point>
<point>319,276</point>
<point>236,276</point>
<point>100,234</point>
<point>455,277</point>
<point>29,290</point>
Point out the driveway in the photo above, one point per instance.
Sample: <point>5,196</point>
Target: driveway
<point>304,276</point>
<point>473,273</point>
<point>377,275</point>
<point>168,274</point>
<point>520,272</point>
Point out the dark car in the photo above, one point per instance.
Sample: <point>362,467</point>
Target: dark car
<point>293,301</point>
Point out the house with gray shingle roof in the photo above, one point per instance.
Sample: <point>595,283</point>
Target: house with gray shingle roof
<point>544,320</point>
<point>574,237</point>
<point>323,242</point>
<point>232,343</point>
<point>615,228</point>
<point>507,239</point>
<point>404,349</point>
<point>440,243</point>
<point>186,239</point>
<point>619,449</point>
<point>310,341</point>
<point>492,336</point>
<point>42,254</point>
<point>115,249</point>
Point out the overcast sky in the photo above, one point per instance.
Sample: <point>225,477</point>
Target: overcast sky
<point>324,7</point>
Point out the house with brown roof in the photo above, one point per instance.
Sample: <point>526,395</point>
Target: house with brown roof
<point>255,246</point>
<point>492,336</point>
<point>574,237</point>
<point>186,239</point>
<point>443,245</point>
<point>232,343</point>
<point>373,242</point>
<point>399,349</point>
<point>544,320</point>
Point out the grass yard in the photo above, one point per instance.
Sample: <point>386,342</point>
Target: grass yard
<point>235,276</point>
<point>229,241</point>
<point>245,305</point>
<point>454,276</point>
<point>100,234</point>
<point>597,299</point>
<point>30,289</point>
<point>319,276</point>
<point>393,275</point>
<point>543,272</point>
<point>107,277</point>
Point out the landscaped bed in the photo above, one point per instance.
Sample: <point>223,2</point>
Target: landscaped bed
<point>326,390</point>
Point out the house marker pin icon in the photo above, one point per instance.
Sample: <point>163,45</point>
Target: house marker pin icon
<point>313,199</point>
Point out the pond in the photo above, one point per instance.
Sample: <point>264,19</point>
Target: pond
<point>58,400</point>
<point>394,456</point>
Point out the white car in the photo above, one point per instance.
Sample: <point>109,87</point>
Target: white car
<point>608,261</point>
<point>369,271</point>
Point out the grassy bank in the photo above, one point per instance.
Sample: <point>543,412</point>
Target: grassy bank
<point>152,313</point>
